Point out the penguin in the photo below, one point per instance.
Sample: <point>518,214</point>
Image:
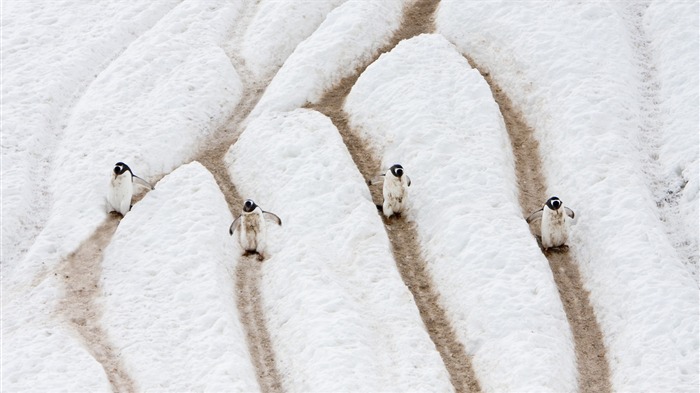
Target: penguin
<point>395,190</point>
<point>554,233</point>
<point>122,188</point>
<point>252,229</point>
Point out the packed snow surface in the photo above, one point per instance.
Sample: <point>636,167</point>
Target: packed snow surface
<point>423,106</point>
<point>610,89</point>
<point>574,78</point>
<point>340,317</point>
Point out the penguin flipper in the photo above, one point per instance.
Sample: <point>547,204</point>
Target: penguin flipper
<point>143,182</point>
<point>273,217</point>
<point>569,212</point>
<point>534,216</point>
<point>233,226</point>
<point>409,180</point>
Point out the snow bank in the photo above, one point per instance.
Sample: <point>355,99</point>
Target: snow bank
<point>150,108</point>
<point>41,355</point>
<point>276,29</point>
<point>169,299</point>
<point>51,51</point>
<point>339,315</point>
<point>570,69</point>
<point>423,106</point>
<point>673,30</point>
<point>349,37</point>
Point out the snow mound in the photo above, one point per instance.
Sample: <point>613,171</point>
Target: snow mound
<point>423,106</point>
<point>169,299</point>
<point>348,38</point>
<point>575,79</point>
<point>339,315</point>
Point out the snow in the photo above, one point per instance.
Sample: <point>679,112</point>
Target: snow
<point>154,105</point>
<point>190,335</point>
<point>277,29</point>
<point>152,83</point>
<point>339,315</point>
<point>580,94</point>
<point>422,106</point>
<point>347,39</point>
<point>51,52</point>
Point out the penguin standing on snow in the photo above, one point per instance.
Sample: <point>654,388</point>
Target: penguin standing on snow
<point>122,188</point>
<point>395,190</point>
<point>553,214</point>
<point>252,230</point>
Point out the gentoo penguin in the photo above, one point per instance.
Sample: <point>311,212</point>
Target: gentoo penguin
<point>122,188</point>
<point>553,226</point>
<point>395,190</point>
<point>252,230</point>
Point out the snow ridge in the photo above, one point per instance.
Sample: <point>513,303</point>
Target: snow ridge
<point>593,368</point>
<point>667,190</point>
<point>417,19</point>
<point>81,273</point>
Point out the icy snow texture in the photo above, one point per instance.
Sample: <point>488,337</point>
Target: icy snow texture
<point>673,31</point>
<point>570,69</point>
<point>51,52</point>
<point>338,313</point>
<point>347,39</point>
<point>169,300</point>
<point>277,29</point>
<point>423,106</point>
<point>39,352</point>
<point>150,108</point>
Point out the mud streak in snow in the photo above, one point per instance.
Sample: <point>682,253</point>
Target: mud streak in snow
<point>81,273</point>
<point>248,270</point>
<point>402,234</point>
<point>593,369</point>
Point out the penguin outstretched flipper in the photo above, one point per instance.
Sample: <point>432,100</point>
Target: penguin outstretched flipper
<point>273,217</point>
<point>534,216</point>
<point>233,226</point>
<point>143,182</point>
<point>569,212</point>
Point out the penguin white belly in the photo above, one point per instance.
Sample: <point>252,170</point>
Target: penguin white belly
<point>252,232</point>
<point>119,197</point>
<point>394,196</point>
<point>554,231</point>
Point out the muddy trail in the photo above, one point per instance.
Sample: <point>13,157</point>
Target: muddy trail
<point>593,368</point>
<point>246,276</point>
<point>248,270</point>
<point>81,272</point>
<point>402,234</point>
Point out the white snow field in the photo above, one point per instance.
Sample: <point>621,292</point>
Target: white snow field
<point>610,89</point>
<point>348,38</point>
<point>423,106</point>
<point>51,52</point>
<point>172,308</point>
<point>573,76</point>
<point>339,316</point>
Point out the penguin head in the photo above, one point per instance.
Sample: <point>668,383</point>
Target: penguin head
<point>396,170</point>
<point>249,206</point>
<point>554,203</point>
<point>120,168</point>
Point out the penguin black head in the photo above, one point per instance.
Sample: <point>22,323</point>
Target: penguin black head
<point>249,206</point>
<point>120,168</point>
<point>396,170</point>
<point>554,203</point>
